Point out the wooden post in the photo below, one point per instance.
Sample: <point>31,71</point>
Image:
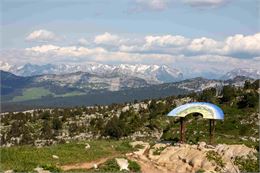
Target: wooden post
<point>182,130</point>
<point>211,131</point>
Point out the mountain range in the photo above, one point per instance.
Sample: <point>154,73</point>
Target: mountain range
<point>90,84</point>
<point>152,74</point>
<point>23,88</point>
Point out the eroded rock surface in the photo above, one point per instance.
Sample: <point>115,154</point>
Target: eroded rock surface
<point>188,158</point>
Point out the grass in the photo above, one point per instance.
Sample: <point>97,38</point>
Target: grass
<point>214,156</point>
<point>158,151</point>
<point>26,158</point>
<point>38,92</point>
<point>73,93</point>
<point>32,93</point>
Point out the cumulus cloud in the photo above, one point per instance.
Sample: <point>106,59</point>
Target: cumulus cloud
<point>107,39</point>
<point>195,53</point>
<point>160,5</point>
<point>245,44</point>
<point>42,36</point>
<point>94,54</point>
<point>83,42</point>
<point>203,45</point>
<point>175,44</point>
<point>205,3</point>
<point>151,4</point>
<point>65,51</point>
<point>166,41</point>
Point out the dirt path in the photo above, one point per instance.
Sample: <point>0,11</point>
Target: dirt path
<point>86,165</point>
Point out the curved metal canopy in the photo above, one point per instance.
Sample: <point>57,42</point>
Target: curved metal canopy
<point>208,110</point>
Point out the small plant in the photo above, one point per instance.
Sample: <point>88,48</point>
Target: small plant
<point>158,151</point>
<point>200,171</point>
<point>51,168</point>
<point>110,166</point>
<point>248,164</point>
<point>134,166</point>
<point>214,156</point>
<point>124,146</point>
<point>139,146</point>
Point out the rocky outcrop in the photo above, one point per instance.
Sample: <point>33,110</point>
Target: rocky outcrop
<point>189,158</point>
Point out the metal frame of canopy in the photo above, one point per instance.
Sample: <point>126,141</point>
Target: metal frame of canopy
<point>198,107</point>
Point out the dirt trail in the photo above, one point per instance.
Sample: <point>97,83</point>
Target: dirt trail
<point>86,165</point>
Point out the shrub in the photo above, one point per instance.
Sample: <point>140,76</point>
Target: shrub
<point>249,164</point>
<point>124,146</point>
<point>214,156</point>
<point>200,171</point>
<point>51,168</point>
<point>134,166</point>
<point>110,166</point>
<point>158,151</point>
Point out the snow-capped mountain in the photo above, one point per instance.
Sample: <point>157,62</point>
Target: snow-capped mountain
<point>153,74</point>
<point>247,72</point>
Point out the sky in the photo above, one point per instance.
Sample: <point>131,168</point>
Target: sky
<point>191,35</point>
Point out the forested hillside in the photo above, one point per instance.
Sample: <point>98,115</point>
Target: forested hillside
<point>146,119</point>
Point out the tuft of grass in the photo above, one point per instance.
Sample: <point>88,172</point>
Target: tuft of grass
<point>248,164</point>
<point>124,147</point>
<point>214,156</point>
<point>200,171</point>
<point>110,166</point>
<point>51,168</point>
<point>158,151</point>
<point>134,166</point>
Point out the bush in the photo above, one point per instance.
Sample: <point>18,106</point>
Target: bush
<point>158,151</point>
<point>51,168</point>
<point>110,166</point>
<point>125,146</point>
<point>249,164</point>
<point>134,166</point>
<point>113,128</point>
<point>214,156</point>
<point>200,171</point>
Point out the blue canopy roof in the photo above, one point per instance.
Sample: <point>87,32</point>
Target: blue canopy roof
<point>208,110</point>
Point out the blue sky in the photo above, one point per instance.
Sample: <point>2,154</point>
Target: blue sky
<point>132,29</point>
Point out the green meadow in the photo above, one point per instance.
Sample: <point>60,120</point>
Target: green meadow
<point>26,158</point>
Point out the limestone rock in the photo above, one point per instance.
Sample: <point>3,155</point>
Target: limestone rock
<point>122,163</point>
<point>87,146</point>
<point>55,156</point>
<point>9,171</point>
<point>201,145</point>
<point>41,170</point>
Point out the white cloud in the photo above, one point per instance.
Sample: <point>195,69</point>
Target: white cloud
<point>65,51</point>
<point>205,3</point>
<point>107,39</point>
<point>203,45</point>
<point>166,41</point>
<point>42,36</point>
<point>195,53</point>
<point>83,42</point>
<point>240,43</point>
<point>95,54</point>
<point>175,44</point>
<point>160,5</point>
<point>151,4</point>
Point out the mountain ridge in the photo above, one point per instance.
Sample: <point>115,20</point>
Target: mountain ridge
<point>153,74</point>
